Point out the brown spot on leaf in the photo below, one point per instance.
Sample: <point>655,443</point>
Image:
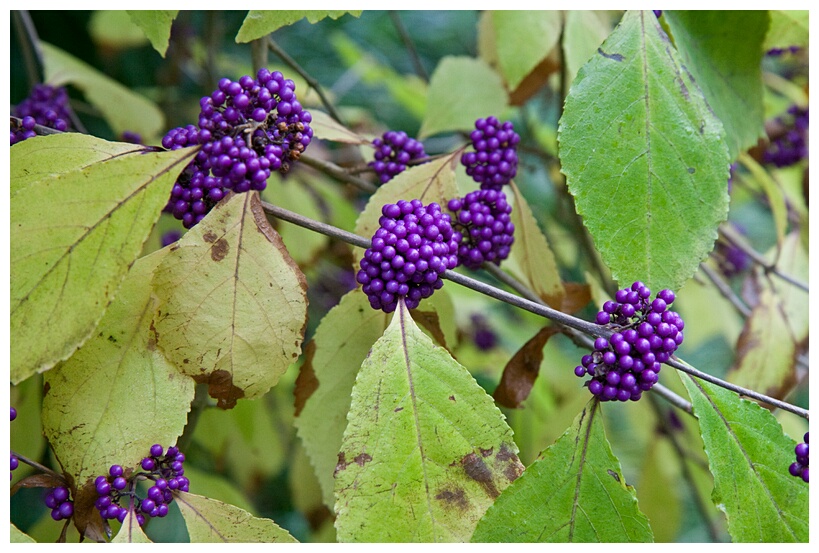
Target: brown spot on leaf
<point>219,250</point>
<point>522,370</point>
<point>397,409</point>
<point>455,498</point>
<point>209,237</point>
<point>221,388</point>
<point>341,464</point>
<point>486,452</point>
<point>306,381</point>
<point>613,474</point>
<point>362,458</point>
<point>451,398</point>
<point>477,470</point>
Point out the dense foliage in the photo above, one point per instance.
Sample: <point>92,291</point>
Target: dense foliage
<point>321,276</point>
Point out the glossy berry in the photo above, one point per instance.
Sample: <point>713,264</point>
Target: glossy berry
<point>412,247</point>
<point>494,161</point>
<point>58,500</point>
<point>646,334</point>
<point>47,106</point>
<point>393,151</point>
<point>800,468</point>
<point>483,220</point>
<point>247,129</point>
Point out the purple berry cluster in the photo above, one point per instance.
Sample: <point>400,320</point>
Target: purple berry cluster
<point>247,129</point>
<point>412,247</point>
<point>495,160</point>
<point>792,146</point>
<point>46,106</point>
<point>482,333</point>
<point>800,467</point>
<point>776,52</point>
<point>646,333</point>
<point>483,220</point>
<point>58,501</point>
<point>164,468</point>
<point>393,151</point>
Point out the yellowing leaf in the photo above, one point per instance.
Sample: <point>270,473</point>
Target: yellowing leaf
<point>98,403</point>
<point>425,452</point>
<point>259,23</point>
<point>74,232</point>
<point>131,531</point>
<point>233,303</point>
<point>327,128</point>
<point>211,521</point>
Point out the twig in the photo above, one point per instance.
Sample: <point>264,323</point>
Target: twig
<point>338,172</point>
<point>294,65</point>
<point>407,40</point>
<point>36,465</point>
<point>29,45</point>
<point>528,305</point>
<point>726,291</point>
<point>739,241</point>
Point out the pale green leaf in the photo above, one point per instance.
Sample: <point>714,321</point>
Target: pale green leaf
<point>425,451</point>
<point>18,536</point>
<point>531,258</point>
<point>523,38</point>
<point>304,245</point>
<point>40,157</point>
<point>114,29</point>
<point>788,28</point>
<point>327,128</point>
<point>461,90</point>
<point>131,531</point>
<point>232,302</point>
<point>409,91</point>
<point>584,32</point>
<point>259,23</point>
<point>73,235</point>
<point>723,51</point>
<point>647,165</point>
<point>575,492</point>
<point>341,343</point>
<point>749,457</point>
<point>217,486</point>
<point>658,489</point>
<point>122,108</point>
<point>86,414</point>
<point>211,521</point>
<point>156,24</point>
<point>429,182</point>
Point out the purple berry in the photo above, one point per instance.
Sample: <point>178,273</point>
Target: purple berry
<point>483,220</point>
<point>393,151</point>
<point>494,161</point>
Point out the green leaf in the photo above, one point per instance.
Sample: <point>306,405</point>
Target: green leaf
<point>156,24</point>
<point>123,109</point>
<point>788,28</point>
<point>749,457</point>
<point>723,51</point>
<point>233,303</point>
<point>131,531</point>
<point>429,182</point>
<point>531,258</point>
<point>88,415</point>
<point>425,451</point>
<point>113,29</point>
<point>773,191</point>
<point>327,128</point>
<point>584,32</point>
<point>409,91</point>
<point>575,492</point>
<point>461,90</point>
<point>18,536</point>
<point>74,232</point>
<point>41,157</point>
<point>647,165</point>
<point>341,343</point>
<point>522,39</point>
<point>259,23</point>
<point>211,521</point>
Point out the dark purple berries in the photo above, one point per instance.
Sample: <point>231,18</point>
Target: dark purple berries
<point>791,146</point>
<point>800,467</point>
<point>483,220</point>
<point>58,501</point>
<point>482,333</point>
<point>413,246</point>
<point>14,461</point>
<point>46,106</point>
<point>117,493</point>
<point>393,152</point>
<point>646,334</point>
<point>247,129</point>
<point>494,161</point>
